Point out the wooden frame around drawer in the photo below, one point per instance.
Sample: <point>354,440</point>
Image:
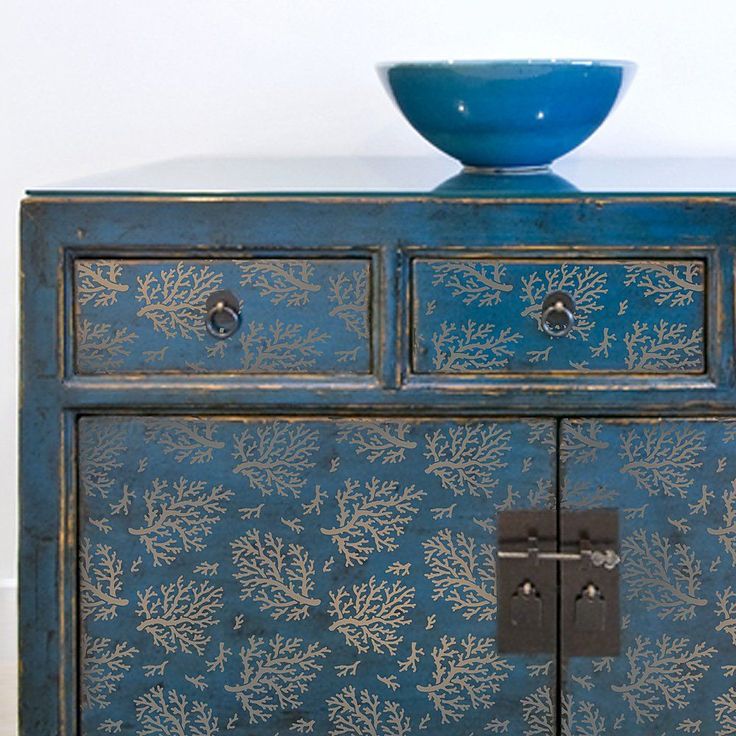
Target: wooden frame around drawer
<point>715,283</point>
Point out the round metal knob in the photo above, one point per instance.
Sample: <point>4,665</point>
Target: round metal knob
<point>558,314</point>
<point>223,315</point>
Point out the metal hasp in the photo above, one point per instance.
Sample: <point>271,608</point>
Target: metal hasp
<point>574,577</point>
<point>526,585</point>
<point>590,622</point>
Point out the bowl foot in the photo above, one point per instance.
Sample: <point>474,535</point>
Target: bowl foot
<point>544,168</point>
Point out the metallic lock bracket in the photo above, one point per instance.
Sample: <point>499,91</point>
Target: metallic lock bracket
<point>584,558</point>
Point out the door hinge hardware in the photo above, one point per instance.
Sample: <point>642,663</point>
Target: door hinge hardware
<point>607,559</point>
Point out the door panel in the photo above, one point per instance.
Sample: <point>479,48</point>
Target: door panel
<point>325,576</point>
<point>674,483</point>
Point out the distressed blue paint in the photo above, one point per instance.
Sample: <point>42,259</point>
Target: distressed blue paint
<point>483,316</point>
<point>134,454</point>
<point>389,232</point>
<point>340,222</point>
<point>673,482</point>
<point>298,316</point>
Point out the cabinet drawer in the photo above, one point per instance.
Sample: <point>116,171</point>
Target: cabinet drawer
<point>630,316</point>
<point>302,316</point>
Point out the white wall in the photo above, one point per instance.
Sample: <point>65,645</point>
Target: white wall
<point>91,85</point>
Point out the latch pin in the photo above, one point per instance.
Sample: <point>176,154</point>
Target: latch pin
<point>607,559</point>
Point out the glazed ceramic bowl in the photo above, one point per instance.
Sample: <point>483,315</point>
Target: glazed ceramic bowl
<point>506,114</point>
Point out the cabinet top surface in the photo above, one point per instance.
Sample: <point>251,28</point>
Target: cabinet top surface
<point>404,177</point>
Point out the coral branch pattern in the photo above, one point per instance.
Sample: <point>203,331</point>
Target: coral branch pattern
<point>280,576</point>
<point>484,316</point>
<point>673,481</point>
<point>298,316</point>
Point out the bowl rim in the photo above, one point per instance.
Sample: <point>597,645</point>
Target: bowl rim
<point>522,62</point>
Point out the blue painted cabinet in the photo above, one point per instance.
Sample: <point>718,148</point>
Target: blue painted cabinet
<point>297,529</point>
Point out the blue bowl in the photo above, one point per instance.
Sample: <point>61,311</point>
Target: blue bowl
<point>506,114</point>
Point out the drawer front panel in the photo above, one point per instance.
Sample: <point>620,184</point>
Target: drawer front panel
<point>484,316</point>
<point>326,576</point>
<point>148,316</point>
<point>674,482</point>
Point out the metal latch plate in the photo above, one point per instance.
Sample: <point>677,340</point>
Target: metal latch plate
<point>516,633</point>
<point>575,577</point>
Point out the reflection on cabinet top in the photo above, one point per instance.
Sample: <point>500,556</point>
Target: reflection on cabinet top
<point>401,176</point>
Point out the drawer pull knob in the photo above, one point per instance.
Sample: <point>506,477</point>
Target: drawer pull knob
<point>558,314</point>
<point>223,315</point>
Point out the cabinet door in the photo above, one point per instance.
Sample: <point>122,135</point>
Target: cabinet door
<point>311,576</point>
<point>674,482</point>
